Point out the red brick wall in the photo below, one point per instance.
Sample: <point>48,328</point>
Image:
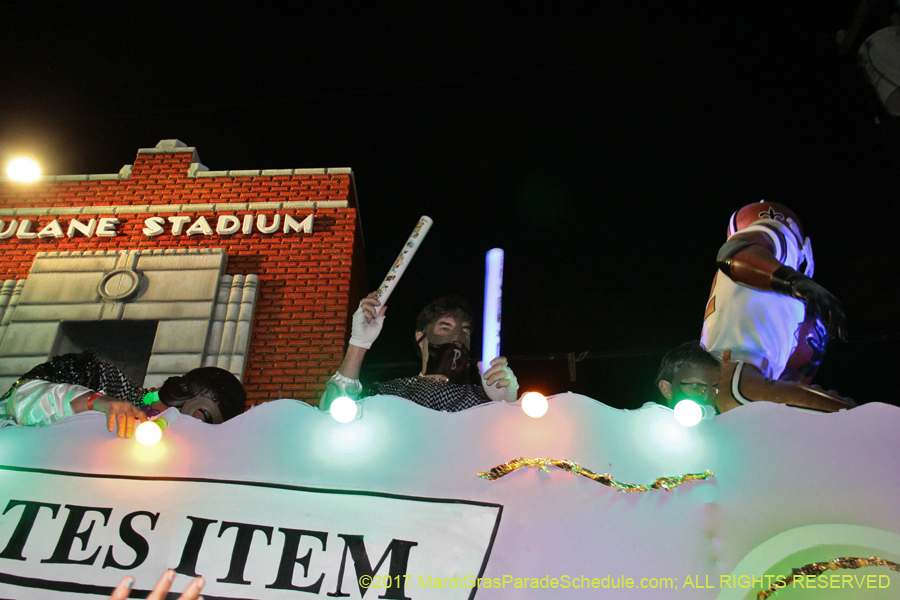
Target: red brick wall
<point>307,281</point>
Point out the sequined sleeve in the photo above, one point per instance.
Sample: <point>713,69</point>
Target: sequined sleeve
<point>40,403</point>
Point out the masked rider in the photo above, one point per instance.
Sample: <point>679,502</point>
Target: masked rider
<point>443,336</point>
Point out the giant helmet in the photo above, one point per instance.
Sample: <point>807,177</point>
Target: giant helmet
<point>216,393</point>
<point>764,209</point>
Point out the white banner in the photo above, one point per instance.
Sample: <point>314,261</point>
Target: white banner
<point>79,534</point>
<point>283,501</point>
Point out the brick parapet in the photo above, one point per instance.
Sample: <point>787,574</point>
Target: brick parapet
<point>308,282</point>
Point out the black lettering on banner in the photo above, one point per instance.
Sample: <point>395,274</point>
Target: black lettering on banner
<point>399,551</point>
<point>242,541</point>
<point>134,540</point>
<point>16,544</point>
<point>70,533</point>
<point>191,552</point>
<point>285,578</point>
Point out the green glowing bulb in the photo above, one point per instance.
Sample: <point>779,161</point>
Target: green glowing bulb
<point>688,413</point>
<point>343,409</point>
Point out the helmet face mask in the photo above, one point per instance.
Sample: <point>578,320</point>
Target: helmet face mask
<point>176,391</point>
<point>762,210</point>
<point>808,257</point>
<point>208,408</point>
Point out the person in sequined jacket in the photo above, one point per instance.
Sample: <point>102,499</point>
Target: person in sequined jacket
<point>74,383</point>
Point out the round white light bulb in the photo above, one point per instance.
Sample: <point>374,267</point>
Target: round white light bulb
<point>343,409</point>
<point>688,413</point>
<point>534,405</point>
<point>24,170</point>
<point>148,433</point>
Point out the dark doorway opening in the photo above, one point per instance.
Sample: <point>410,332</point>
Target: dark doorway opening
<point>126,344</point>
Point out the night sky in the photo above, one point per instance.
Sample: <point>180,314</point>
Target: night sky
<point>603,146</point>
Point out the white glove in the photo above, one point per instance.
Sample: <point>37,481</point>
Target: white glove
<point>508,393</point>
<point>364,334</point>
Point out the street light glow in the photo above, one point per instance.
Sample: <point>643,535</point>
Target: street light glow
<point>23,170</point>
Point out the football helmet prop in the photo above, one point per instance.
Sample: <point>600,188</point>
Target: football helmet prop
<point>764,209</point>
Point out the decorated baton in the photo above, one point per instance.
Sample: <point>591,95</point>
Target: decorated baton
<point>493,293</point>
<point>409,250</point>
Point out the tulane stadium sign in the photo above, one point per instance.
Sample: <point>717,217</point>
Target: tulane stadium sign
<point>176,225</point>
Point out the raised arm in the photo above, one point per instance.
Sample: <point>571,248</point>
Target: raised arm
<point>749,258</point>
<point>367,322</point>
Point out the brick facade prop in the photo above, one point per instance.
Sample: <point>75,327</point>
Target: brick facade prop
<point>254,271</point>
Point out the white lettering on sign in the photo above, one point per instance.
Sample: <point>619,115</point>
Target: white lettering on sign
<point>10,229</point>
<point>177,225</point>
<point>153,226</point>
<point>77,226</point>
<point>200,226</point>
<point>107,227</point>
<point>228,224</point>
<point>51,229</point>
<point>24,232</point>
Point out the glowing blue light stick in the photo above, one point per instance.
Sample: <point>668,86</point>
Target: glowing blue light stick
<point>493,293</point>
